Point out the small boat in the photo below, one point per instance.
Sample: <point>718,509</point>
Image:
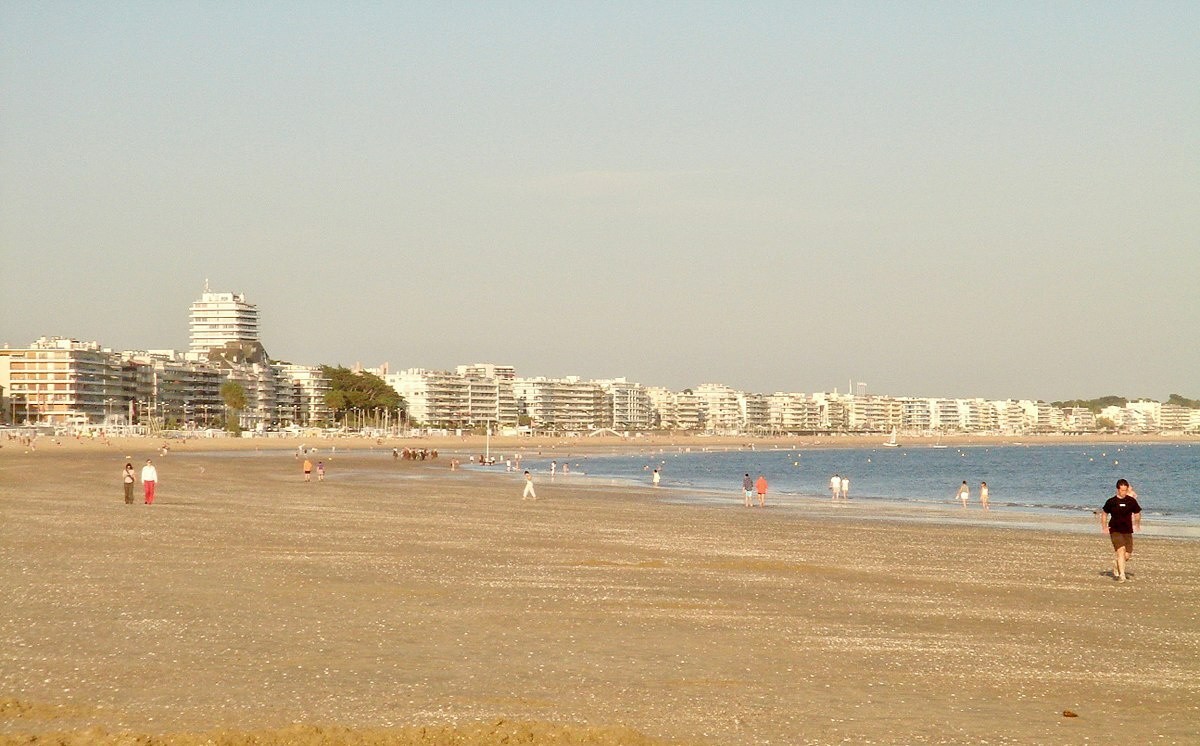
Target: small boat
<point>891,442</point>
<point>938,444</point>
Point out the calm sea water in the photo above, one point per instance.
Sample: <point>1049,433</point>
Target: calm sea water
<point>1066,478</point>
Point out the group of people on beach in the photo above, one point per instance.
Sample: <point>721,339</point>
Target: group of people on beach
<point>308,470</point>
<point>758,487</point>
<point>964,494</point>
<point>839,487</point>
<point>149,482</point>
<point>414,454</point>
<point>1120,517</point>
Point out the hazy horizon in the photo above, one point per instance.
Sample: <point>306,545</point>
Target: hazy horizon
<point>937,200</point>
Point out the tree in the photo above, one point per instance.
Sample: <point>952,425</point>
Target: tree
<point>1094,405</point>
<point>234,396</point>
<point>1104,423</point>
<point>363,391</point>
<point>1180,401</point>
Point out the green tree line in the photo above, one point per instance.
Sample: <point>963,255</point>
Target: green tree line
<point>1096,405</point>
<point>365,391</point>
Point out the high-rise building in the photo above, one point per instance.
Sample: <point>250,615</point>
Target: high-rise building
<point>220,318</point>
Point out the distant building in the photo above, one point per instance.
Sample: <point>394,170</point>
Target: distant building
<point>568,405</point>
<point>218,319</point>
<point>59,381</point>
<point>300,394</point>
<point>627,406</point>
<point>719,407</point>
<point>754,414</point>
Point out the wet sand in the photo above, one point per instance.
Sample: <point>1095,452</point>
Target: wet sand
<point>397,596</point>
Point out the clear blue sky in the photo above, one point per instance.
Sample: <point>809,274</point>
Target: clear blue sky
<point>959,199</point>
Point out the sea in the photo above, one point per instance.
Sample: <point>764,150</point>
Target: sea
<point>1064,480</point>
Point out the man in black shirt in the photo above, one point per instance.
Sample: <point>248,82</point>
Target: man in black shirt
<point>1125,517</point>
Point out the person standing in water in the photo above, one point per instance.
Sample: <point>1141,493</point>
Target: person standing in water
<point>964,493</point>
<point>760,486</point>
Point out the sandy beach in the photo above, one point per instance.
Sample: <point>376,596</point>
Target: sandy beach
<point>402,602</point>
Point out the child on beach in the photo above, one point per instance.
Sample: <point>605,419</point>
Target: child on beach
<point>964,493</point>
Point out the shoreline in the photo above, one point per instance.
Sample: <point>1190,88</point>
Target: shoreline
<point>402,595</point>
<point>877,509</point>
<point>930,510</point>
<point>474,444</point>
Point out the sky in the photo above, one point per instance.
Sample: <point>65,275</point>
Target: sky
<point>998,200</point>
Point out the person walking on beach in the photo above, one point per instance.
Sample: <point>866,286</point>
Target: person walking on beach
<point>320,471</point>
<point>529,494</point>
<point>307,470</point>
<point>149,481</point>
<point>656,478</point>
<point>128,478</point>
<point>760,486</point>
<point>1125,517</point>
<point>835,486</point>
<point>845,488</point>
<point>983,495</point>
<point>747,489</point>
<point>964,493</point>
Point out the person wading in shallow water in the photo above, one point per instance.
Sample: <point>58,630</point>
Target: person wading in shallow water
<point>1125,517</point>
<point>760,486</point>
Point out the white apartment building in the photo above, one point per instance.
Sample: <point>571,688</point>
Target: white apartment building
<point>833,411</point>
<point>305,403</point>
<point>719,408</point>
<point>63,382</point>
<point>1148,414</point>
<point>754,414</point>
<point>560,404</point>
<point>873,413</point>
<point>662,407</point>
<point>175,391</point>
<point>58,381</point>
<point>441,399</point>
<point>435,398</point>
<point>488,370</point>
<point>794,413</point>
<point>217,319</point>
<point>627,406</point>
<point>490,392</point>
<point>1175,417</point>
